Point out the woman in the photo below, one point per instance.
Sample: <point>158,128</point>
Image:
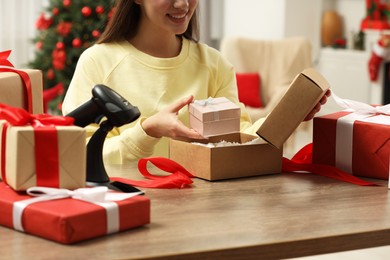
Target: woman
<point>149,54</point>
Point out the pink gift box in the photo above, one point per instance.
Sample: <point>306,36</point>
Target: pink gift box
<point>214,116</point>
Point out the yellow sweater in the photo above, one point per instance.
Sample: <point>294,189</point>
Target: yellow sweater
<point>151,84</point>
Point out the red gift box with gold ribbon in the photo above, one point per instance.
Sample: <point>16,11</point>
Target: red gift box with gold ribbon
<point>41,150</point>
<point>68,216</point>
<point>356,141</point>
<point>20,88</point>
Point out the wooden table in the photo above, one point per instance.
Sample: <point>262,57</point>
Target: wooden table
<point>274,216</point>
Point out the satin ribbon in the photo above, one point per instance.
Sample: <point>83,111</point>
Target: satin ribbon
<point>96,195</point>
<point>179,177</point>
<point>209,103</point>
<point>45,138</point>
<point>360,107</point>
<point>4,59</point>
<point>7,66</point>
<point>344,128</point>
<point>302,162</point>
<point>204,102</point>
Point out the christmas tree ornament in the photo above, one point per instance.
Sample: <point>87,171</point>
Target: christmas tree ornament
<point>77,43</point>
<point>86,11</point>
<point>99,9</point>
<point>55,11</point>
<point>67,3</point>
<point>64,28</point>
<point>96,33</point>
<point>39,45</point>
<point>50,74</point>
<point>60,45</point>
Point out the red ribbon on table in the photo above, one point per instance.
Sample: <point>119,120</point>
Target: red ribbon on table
<point>7,66</point>
<point>179,177</point>
<point>45,138</point>
<point>302,161</point>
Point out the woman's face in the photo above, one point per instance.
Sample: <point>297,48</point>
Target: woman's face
<point>171,16</point>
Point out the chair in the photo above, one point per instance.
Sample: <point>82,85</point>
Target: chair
<point>276,61</point>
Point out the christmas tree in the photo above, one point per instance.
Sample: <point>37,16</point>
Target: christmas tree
<point>65,29</point>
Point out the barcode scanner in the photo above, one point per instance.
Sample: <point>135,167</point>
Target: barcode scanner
<point>108,109</point>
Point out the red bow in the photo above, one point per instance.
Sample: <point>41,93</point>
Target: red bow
<point>19,117</point>
<point>4,59</point>
<point>45,142</point>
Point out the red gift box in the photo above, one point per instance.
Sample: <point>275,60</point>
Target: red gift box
<point>69,220</point>
<point>358,144</point>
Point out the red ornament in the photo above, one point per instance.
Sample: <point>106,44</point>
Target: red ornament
<point>55,11</point>
<point>86,11</point>
<point>50,74</point>
<point>99,9</point>
<point>39,45</point>
<point>76,43</point>
<point>63,28</point>
<point>96,33</point>
<point>59,59</point>
<point>43,23</point>
<point>60,45</point>
<point>67,3</point>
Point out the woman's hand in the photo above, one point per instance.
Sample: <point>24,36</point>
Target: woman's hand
<point>166,123</point>
<point>317,108</point>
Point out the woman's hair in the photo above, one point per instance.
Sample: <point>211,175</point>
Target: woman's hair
<point>125,22</point>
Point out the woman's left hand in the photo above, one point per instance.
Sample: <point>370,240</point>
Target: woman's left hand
<point>317,108</point>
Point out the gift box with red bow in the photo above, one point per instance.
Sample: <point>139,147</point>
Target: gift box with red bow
<point>41,150</point>
<point>356,141</point>
<point>68,216</point>
<point>20,88</point>
<point>214,116</point>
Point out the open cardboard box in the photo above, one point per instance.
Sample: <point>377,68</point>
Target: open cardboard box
<point>244,160</point>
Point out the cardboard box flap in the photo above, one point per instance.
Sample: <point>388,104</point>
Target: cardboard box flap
<point>304,93</point>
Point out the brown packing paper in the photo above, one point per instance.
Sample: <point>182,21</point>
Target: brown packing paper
<point>12,90</point>
<point>20,156</point>
<point>218,163</point>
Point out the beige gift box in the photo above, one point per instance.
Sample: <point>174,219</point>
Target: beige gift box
<point>19,156</point>
<point>12,90</point>
<point>253,158</point>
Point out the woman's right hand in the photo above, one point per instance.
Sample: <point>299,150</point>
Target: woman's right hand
<point>166,123</point>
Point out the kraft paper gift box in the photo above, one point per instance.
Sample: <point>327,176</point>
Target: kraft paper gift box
<point>18,158</point>
<point>251,158</point>
<point>13,92</point>
<point>214,116</point>
<point>358,144</point>
<point>69,220</point>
